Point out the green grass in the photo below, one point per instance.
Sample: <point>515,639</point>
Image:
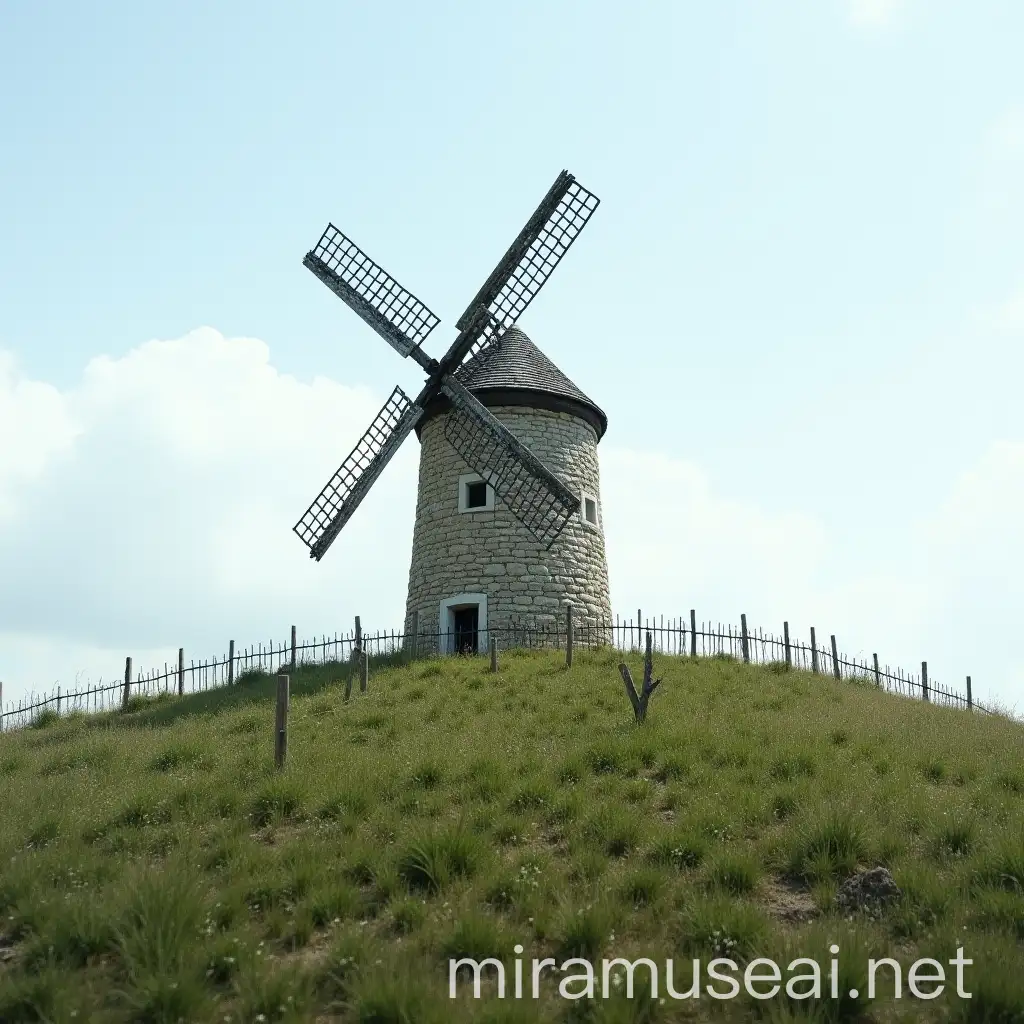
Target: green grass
<point>156,867</point>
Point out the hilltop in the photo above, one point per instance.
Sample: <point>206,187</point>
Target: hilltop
<point>157,867</point>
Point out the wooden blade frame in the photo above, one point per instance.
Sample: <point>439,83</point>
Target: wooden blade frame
<point>371,292</point>
<point>535,496</point>
<point>335,504</point>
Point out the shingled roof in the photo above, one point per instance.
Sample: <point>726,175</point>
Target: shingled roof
<point>516,372</point>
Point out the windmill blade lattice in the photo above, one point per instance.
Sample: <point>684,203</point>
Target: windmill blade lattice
<point>537,498</point>
<point>540,246</point>
<point>370,291</point>
<point>335,504</point>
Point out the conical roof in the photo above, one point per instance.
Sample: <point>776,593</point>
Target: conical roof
<point>516,372</point>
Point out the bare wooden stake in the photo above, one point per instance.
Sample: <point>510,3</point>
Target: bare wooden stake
<point>789,650</point>
<point>835,659</point>
<point>181,671</point>
<point>364,670</point>
<point>814,652</point>
<point>693,633</point>
<point>358,648</point>
<point>231,663</point>
<point>292,660</point>
<point>639,701</point>
<point>970,700</point>
<point>744,639</point>
<point>127,682</point>
<point>878,675</point>
<point>924,681</point>
<point>281,721</point>
<point>568,636</point>
<point>494,654</point>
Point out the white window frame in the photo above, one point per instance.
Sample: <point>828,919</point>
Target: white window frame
<point>446,621</point>
<point>584,497</point>
<point>474,478</point>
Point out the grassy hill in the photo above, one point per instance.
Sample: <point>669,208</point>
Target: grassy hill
<point>156,867</point>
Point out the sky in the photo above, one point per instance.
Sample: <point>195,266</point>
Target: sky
<point>800,303</point>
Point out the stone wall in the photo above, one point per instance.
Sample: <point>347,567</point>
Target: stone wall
<point>492,552</point>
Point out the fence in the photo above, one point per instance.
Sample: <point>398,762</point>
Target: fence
<point>678,636</point>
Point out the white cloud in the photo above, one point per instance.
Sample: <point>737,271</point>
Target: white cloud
<point>875,14</point>
<point>151,506</point>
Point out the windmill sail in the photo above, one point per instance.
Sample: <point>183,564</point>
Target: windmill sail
<point>370,291</point>
<point>545,239</point>
<point>335,504</point>
<point>537,498</point>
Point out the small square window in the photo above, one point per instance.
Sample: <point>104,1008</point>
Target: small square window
<point>476,494</point>
<point>590,510</point>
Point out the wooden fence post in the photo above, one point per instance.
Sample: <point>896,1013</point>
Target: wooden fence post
<point>789,650</point>
<point>294,645</point>
<point>415,646</point>
<point>568,636</point>
<point>127,682</point>
<point>835,659</point>
<point>924,681</point>
<point>358,647</point>
<point>814,652</point>
<point>281,721</point>
<point>181,671</point>
<point>638,643</point>
<point>364,670</point>
<point>970,701</point>
<point>744,644</point>
<point>494,654</point>
<point>231,663</point>
<point>693,633</point>
<point>878,675</point>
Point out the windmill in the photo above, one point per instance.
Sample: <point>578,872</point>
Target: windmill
<point>535,495</point>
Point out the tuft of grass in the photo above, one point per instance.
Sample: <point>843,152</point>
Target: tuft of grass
<point>830,846</point>
<point>435,859</point>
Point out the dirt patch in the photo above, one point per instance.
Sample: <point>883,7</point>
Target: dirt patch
<point>788,901</point>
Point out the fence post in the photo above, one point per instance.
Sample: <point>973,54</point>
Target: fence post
<point>924,681</point>
<point>814,652</point>
<point>181,671</point>
<point>789,650</point>
<point>568,636</point>
<point>970,701</point>
<point>494,654</point>
<point>878,675</point>
<point>835,659</point>
<point>415,633</point>
<point>292,662</point>
<point>693,633</point>
<point>127,682</point>
<point>357,650</point>
<point>231,663</point>
<point>364,669</point>
<point>2,701</point>
<point>638,644</point>
<point>745,646</point>
<point>281,721</point>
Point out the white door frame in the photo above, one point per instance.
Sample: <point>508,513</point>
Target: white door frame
<point>446,621</point>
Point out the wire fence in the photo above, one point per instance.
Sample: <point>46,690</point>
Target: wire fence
<point>673,636</point>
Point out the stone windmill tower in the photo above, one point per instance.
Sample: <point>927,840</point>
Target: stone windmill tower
<point>508,521</point>
<point>474,566</point>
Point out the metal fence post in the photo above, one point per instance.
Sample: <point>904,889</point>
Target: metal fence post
<point>127,682</point>
<point>568,636</point>
<point>281,721</point>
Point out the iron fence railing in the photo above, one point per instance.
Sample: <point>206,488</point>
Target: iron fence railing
<point>677,636</point>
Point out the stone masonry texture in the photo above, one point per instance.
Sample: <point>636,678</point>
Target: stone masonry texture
<point>492,552</point>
